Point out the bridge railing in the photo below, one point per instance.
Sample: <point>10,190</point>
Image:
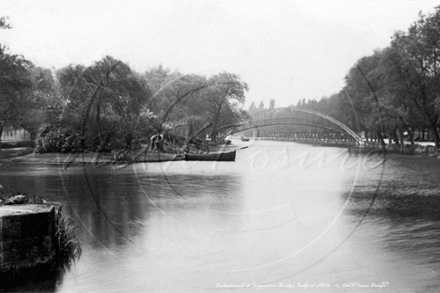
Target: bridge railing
<point>256,122</point>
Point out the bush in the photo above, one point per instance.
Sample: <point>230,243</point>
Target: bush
<point>58,141</point>
<point>67,245</point>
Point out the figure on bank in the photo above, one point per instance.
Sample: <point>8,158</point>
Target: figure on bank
<point>156,142</point>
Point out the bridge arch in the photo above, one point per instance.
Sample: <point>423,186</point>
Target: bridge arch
<point>291,116</point>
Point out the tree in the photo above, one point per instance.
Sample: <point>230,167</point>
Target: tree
<point>160,80</point>
<point>227,93</point>
<point>15,86</point>
<point>44,102</point>
<point>395,99</point>
<point>361,87</point>
<point>4,23</point>
<point>252,107</point>
<point>261,105</point>
<point>113,88</point>
<point>184,98</point>
<point>394,90</point>
<point>179,100</point>
<point>107,90</point>
<point>272,104</point>
<point>27,91</point>
<point>419,50</point>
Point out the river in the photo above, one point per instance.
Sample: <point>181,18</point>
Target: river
<point>283,217</point>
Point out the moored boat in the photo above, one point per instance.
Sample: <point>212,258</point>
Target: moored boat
<point>223,156</point>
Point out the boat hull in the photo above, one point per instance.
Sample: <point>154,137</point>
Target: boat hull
<point>224,156</point>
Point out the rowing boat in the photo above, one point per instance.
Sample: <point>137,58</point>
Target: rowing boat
<point>223,156</point>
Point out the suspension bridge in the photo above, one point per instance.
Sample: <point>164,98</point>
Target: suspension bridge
<point>298,124</point>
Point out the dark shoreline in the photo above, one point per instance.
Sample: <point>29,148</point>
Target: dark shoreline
<point>27,155</point>
<point>80,158</point>
<point>407,149</point>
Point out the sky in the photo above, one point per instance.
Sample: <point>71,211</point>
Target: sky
<point>284,50</point>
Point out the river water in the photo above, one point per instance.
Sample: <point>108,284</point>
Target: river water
<point>283,217</point>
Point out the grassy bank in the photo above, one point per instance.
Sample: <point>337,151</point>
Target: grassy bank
<point>85,157</point>
<point>19,152</point>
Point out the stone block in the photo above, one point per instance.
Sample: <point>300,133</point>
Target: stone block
<point>26,235</point>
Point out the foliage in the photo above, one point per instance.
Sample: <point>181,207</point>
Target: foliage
<point>202,105</point>
<point>4,23</point>
<point>272,104</point>
<point>105,103</point>
<point>15,85</point>
<point>107,90</point>
<point>394,91</point>
<point>68,248</point>
<point>108,106</point>
<point>58,141</point>
<point>224,100</point>
<point>26,91</point>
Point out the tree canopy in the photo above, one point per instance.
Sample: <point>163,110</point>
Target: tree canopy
<point>15,87</point>
<point>394,91</point>
<point>107,105</point>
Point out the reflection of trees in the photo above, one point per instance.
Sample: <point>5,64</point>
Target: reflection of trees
<point>405,222</point>
<point>195,186</point>
<point>194,203</point>
<point>112,204</point>
<point>43,280</point>
<point>107,203</point>
<point>113,207</point>
<point>397,202</point>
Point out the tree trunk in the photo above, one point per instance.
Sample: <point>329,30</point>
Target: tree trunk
<point>372,136</point>
<point>394,137</point>
<point>189,131</point>
<point>1,133</point>
<point>89,107</point>
<point>410,131</point>
<point>194,135</point>
<point>32,136</point>
<point>435,134</point>
<point>214,132</point>
<point>33,132</point>
<point>399,133</point>
<point>98,112</point>
<point>214,135</point>
<point>380,137</point>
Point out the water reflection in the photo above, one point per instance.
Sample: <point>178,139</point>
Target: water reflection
<point>113,206</point>
<point>46,279</point>
<point>275,215</point>
<point>404,221</point>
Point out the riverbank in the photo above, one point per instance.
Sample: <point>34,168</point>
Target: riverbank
<point>27,155</point>
<point>418,149</point>
<point>24,155</point>
<point>426,150</point>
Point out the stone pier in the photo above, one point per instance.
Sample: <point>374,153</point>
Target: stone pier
<point>26,238</point>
